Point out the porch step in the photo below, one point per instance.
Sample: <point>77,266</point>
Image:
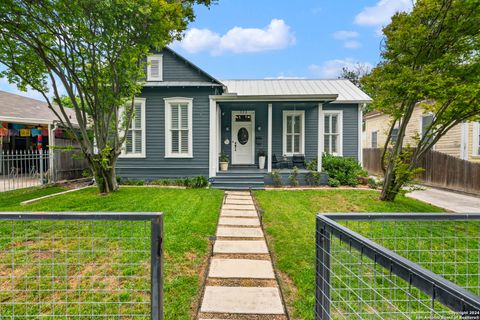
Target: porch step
<point>239,179</point>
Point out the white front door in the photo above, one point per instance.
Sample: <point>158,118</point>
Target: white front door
<point>243,137</point>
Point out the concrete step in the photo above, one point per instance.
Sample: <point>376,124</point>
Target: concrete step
<point>238,213</point>
<point>241,269</point>
<point>239,221</point>
<point>240,247</point>
<point>239,232</point>
<point>242,300</point>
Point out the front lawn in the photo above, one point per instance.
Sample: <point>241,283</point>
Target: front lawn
<point>289,221</point>
<point>190,218</point>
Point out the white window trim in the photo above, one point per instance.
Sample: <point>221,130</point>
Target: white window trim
<point>158,57</point>
<point>339,113</point>
<point>168,134</point>
<point>475,140</point>
<point>141,154</point>
<point>428,114</point>
<point>300,113</point>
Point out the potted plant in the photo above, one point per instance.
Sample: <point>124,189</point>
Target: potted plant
<point>261,159</point>
<point>223,159</point>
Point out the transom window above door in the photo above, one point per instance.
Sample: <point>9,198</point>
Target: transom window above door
<point>333,127</point>
<point>293,132</point>
<point>178,127</point>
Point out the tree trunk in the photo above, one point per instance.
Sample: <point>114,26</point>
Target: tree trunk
<point>105,176</point>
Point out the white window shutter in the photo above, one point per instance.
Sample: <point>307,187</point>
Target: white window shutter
<point>155,68</point>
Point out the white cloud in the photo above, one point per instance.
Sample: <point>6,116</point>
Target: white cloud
<point>345,34</point>
<point>381,13</point>
<point>352,44</point>
<point>276,35</point>
<point>197,40</point>
<point>348,38</point>
<point>331,69</point>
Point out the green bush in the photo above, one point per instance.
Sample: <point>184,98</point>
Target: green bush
<point>372,184</point>
<point>293,177</point>
<point>313,178</point>
<point>276,177</point>
<point>332,182</point>
<point>345,170</point>
<point>194,182</point>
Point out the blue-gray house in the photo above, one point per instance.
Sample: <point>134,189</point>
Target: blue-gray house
<point>185,118</point>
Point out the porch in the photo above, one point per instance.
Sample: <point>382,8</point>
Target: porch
<point>251,177</point>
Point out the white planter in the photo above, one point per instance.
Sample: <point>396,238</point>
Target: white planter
<point>261,162</point>
<point>223,166</point>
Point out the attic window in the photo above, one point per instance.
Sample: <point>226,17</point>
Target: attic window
<point>155,68</point>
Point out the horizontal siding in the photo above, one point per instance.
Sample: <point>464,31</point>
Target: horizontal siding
<point>177,69</point>
<point>155,165</point>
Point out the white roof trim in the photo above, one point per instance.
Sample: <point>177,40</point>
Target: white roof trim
<point>273,98</point>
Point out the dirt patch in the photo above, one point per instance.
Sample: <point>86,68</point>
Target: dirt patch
<point>228,316</point>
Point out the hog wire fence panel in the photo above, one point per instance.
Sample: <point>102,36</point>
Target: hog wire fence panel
<point>398,266</point>
<point>81,265</point>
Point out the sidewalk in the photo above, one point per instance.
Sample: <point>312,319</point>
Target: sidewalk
<point>241,283</point>
<point>448,200</point>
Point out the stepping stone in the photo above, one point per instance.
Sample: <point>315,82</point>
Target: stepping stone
<point>238,206</point>
<point>240,246</point>
<point>246,300</point>
<point>238,213</point>
<point>239,232</point>
<point>239,201</point>
<point>241,268</point>
<point>239,221</point>
<point>238,193</point>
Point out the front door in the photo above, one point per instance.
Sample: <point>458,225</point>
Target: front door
<point>243,137</point>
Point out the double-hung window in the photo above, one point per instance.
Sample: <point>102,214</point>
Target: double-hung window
<point>374,139</point>
<point>178,128</point>
<point>134,145</point>
<point>293,132</point>
<point>333,124</point>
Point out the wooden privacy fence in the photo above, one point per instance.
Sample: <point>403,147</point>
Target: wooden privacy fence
<point>68,164</point>
<point>440,170</point>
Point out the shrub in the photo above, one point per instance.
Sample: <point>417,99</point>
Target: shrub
<point>276,177</point>
<point>332,182</point>
<point>198,182</point>
<point>293,177</point>
<point>313,178</point>
<point>372,184</point>
<point>345,170</point>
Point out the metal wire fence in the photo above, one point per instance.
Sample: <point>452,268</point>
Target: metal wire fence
<point>398,266</point>
<point>81,266</point>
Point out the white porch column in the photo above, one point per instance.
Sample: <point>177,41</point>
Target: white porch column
<point>213,154</point>
<point>269,139</point>
<point>320,137</point>
<point>360,134</point>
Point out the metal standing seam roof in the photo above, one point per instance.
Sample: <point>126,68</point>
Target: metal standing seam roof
<point>15,108</point>
<point>347,92</point>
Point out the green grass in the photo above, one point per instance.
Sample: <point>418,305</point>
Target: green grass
<point>190,218</point>
<point>289,220</point>
<point>10,200</point>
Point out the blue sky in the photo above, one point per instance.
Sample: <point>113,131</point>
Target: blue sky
<point>256,39</point>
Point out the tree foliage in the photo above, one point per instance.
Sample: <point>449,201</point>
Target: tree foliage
<point>93,53</point>
<point>430,58</point>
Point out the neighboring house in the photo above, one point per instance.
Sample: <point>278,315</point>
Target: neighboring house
<point>462,141</point>
<point>185,118</point>
<point>27,125</point>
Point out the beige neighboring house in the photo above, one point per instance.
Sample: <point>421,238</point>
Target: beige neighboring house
<point>462,141</point>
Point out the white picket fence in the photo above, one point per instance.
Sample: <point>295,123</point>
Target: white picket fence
<point>25,168</point>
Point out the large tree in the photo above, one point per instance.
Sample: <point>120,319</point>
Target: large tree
<point>89,55</point>
<point>430,58</point>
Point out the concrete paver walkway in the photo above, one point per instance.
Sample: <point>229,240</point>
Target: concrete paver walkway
<point>241,283</point>
<point>452,201</point>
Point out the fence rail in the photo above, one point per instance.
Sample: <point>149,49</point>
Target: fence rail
<point>440,170</point>
<point>23,169</point>
<point>398,266</point>
<point>81,265</point>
